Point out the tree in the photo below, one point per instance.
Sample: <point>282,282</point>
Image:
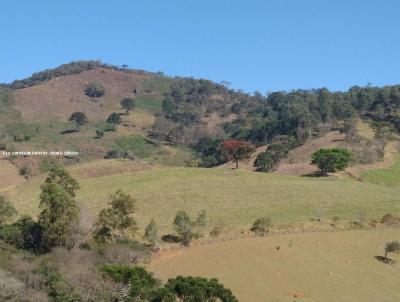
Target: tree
<point>261,226</point>
<point>392,247</point>
<point>57,174</point>
<point>117,218</point>
<point>187,289</point>
<point>114,118</point>
<point>184,227</point>
<point>234,150</point>
<point>7,210</point>
<point>331,160</point>
<point>79,118</point>
<point>128,104</point>
<point>59,212</point>
<point>94,90</point>
<point>151,232</point>
<point>264,161</point>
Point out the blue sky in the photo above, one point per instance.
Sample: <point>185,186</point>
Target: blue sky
<point>256,45</point>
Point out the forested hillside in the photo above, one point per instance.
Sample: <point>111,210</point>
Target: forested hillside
<point>194,113</point>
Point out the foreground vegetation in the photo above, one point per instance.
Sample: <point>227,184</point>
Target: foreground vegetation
<point>106,278</point>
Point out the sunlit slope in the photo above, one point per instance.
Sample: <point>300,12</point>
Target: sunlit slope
<point>235,198</point>
<point>329,267</point>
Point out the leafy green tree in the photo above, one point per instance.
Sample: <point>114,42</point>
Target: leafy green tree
<point>79,118</point>
<point>264,161</point>
<point>331,160</point>
<point>94,90</point>
<point>234,150</point>
<point>183,226</point>
<point>7,210</point>
<point>114,118</point>
<point>59,175</point>
<point>325,104</point>
<point>261,226</point>
<point>190,289</point>
<point>59,213</point>
<point>58,210</point>
<point>140,284</point>
<point>151,232</point>
<point>128,104</point>
<point>25,234</point>
<point>118,219</point>
<point>392,247</point>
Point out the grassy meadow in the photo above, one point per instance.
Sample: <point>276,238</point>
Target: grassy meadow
<point>234,198</point>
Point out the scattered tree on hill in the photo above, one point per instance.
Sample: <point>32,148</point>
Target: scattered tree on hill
<point>264,162</point>
<point>7,210</point>
<point>184,227</point>
<point>94,90</point>
<point>59,212</point>
<point>151,232</point>
<point>128,104</point>
<point>114,118</point>
<point>383,131</point>
<point>392,247</point>
<point>331,160</point>
<point>261,226</point>
<point>117,220</point>
<point>79,118</point>
<point>234,150</point>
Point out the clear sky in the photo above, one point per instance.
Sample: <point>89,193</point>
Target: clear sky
<point>262,45</point>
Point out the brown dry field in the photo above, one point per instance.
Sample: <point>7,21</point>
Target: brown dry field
<point>328,266</point>
<point>59,97</point>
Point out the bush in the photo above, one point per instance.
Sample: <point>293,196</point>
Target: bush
<point>120,154</point>
<point>25,171</point>
<point>20,137</point>
<point>390,219</point>
<point>261,226</point>
<point>94,90</point>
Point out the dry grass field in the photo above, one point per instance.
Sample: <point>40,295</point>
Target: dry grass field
<point>328,267</point>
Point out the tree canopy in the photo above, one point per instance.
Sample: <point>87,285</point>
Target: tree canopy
<point>331,160</point>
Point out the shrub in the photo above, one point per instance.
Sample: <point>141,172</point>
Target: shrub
<point>261,226</point>
<point>151,232</point>
<point>20,137</point>
<point>114,118</point>
<point>25,171</point>
<point>390,219</point>
<point>7,210</point>
<point>94,90</point>
<point>120,154</point>
<point>392,247</point>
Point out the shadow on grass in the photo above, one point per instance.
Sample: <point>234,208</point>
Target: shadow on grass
<point>385,260</point>
<point>170,238</point>
<point>68,131</point>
